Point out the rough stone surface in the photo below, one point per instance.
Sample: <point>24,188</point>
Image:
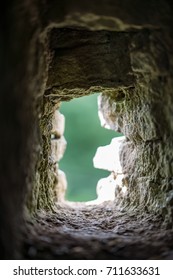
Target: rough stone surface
<point>129,61</point>
<point>120,48</point>
<point>119,15</point>
<point>77,62</point>
<point>22,83</point>
<point>141,114</point>
<point>61,186</point>
<point>58,124</point>
<point>58,147</point>
<point>78,231</point>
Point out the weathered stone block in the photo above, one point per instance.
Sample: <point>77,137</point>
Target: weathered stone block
<point>86,59</point>
<point>108,157</point>
<point>58,147</point>
<point>61,186</point>
<point>58,124</point>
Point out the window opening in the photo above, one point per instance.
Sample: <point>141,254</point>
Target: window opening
<point>84,135</point>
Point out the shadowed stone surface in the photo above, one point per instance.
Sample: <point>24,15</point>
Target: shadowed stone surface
<point>99,232</point>
<point>86,60</point>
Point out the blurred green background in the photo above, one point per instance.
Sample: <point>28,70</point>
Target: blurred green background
<point>84,135</point>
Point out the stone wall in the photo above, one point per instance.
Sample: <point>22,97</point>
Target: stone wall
<point>129,59</point>
<point>55,51</point>
<point>22,84</point>
<point>144,116</point>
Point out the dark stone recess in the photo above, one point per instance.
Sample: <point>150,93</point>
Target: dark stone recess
<point>77,60</point>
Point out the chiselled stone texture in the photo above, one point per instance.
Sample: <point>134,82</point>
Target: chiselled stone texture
<point>97,232</point>
<point>84,61</point>
<point>43,193</point>
<point>144,116</point>
<point>58,146</point>
<point>50,182</point>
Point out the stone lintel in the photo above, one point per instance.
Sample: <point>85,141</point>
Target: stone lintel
<point>86,61</point>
